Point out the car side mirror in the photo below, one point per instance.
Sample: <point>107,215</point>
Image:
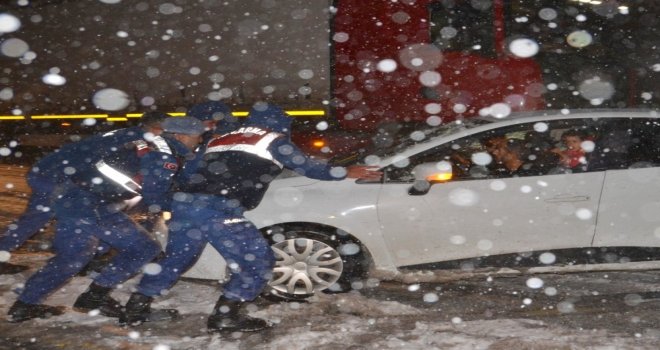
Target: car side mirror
<point>427,174</point>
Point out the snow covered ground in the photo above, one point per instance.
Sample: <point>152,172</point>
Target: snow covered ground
<point>406,318</point>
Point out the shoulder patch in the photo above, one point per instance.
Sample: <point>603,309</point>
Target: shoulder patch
<point>170,166</point>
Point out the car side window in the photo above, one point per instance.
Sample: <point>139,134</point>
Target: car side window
<point>622,143</point>
<point>644,148</point>
<point>538,146</point>
<point>613,142</point>
<point>459,153</point>
<point>544,148</point>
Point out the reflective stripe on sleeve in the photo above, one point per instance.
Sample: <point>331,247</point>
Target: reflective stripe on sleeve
<point>118,177</point>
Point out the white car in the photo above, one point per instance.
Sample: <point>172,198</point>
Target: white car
<point>430,207</point>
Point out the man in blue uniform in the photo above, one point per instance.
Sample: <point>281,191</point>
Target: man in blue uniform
<point>217,118</point>
<point>90,213</point>
<point>212,114</point>
<point>233,177</point>
<point>48,178</point>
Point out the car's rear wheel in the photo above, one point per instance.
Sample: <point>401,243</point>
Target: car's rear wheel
<point>312,259</point>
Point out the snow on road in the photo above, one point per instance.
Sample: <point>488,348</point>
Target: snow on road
<point>344,321</point>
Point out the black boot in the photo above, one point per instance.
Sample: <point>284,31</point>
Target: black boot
<point>227,317</point>
<point>10,269</point>
<point>138,310</point>
<point>21,311</point>
<point>98,298</point>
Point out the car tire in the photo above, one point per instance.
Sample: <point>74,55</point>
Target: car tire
<point>312,258</point>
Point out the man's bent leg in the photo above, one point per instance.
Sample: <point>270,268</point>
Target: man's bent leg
<point>37,214</point>
<point>249,257</point>
<point>183,248</point>
<point>134,249</point>
<point>251,261</point>
<point>73,249</point>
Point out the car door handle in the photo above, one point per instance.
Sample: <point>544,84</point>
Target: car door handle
<point>567,198</point>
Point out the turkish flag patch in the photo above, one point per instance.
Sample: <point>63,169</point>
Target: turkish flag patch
<point>170,166</point>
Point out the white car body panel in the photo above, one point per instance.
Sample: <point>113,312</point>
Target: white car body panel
<point>210,266</point>
<point>464,219</point>
<point>629,214</point>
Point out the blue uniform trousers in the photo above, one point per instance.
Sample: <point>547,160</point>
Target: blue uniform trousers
<point>202,219</point>
<point>83,223</point>
<point>38,213</point>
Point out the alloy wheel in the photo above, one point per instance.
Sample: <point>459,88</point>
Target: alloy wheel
<point>305,266</point>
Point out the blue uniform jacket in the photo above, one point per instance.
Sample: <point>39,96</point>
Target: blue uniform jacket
<point>193,161</point>
<point>78,155</point>
<point>240,165</point>
<point>118,169</point>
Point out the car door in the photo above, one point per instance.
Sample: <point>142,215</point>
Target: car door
<point>630,204</point>
<point>478,214</point>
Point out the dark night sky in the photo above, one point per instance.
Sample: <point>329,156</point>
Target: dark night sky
<point>176,52</point>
